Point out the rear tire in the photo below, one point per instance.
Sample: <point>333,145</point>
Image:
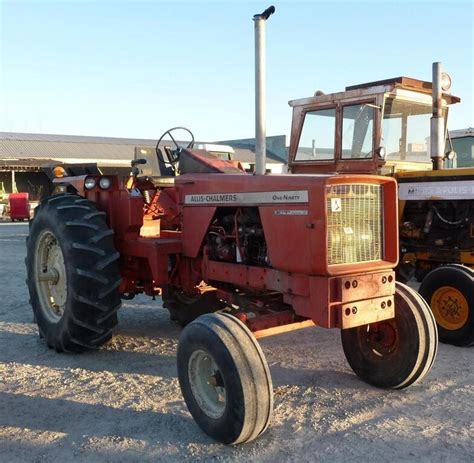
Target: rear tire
<point>72,273</point>
<point>449,290</point>
<point>224,378</point>
<point>394,353</point>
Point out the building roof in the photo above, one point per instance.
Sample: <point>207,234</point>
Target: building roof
<point>78,148</point>
<point>461,133</point>
<point>103,150</point>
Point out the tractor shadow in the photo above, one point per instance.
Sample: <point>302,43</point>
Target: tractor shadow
<point>144,342</point>
<point>73,420</point>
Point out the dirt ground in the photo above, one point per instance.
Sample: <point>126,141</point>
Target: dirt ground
<point>123,403</point>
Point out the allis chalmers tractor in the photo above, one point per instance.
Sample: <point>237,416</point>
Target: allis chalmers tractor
<point>236,257</point>
<point>384,128</point>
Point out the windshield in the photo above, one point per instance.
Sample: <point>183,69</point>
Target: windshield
<point>406,130</point>
<point>317,140</point>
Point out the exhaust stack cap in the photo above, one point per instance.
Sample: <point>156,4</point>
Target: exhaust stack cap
<point>266,14</point>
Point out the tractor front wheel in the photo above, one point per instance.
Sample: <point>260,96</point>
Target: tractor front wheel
<point>72,274</point>
<point>224,378</point>
<point>394,353</point>
<point>449,291</point>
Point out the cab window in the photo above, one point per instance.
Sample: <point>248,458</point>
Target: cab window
<point>357,131</point>
<point>317,136</point>
<point>406,130</point>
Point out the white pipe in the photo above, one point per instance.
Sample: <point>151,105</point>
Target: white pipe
<point>14,189</point>
<point>260,75</point>
<point>437,120</point>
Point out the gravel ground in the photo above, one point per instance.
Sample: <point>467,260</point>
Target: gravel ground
<point>123,402</point>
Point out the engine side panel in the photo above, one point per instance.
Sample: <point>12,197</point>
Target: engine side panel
<point>437,218</point>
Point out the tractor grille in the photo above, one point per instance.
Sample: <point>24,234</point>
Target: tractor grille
<point>355,223</point>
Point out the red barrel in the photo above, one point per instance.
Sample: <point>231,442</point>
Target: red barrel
<point>19,206</point>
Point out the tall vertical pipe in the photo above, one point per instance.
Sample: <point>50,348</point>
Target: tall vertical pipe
<point>260,109</point>
<point>437,120</point>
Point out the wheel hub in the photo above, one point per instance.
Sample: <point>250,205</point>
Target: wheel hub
<point>50,273</point>
<point>450,307</point>
<point>207,384</point>
<point>382,338</point>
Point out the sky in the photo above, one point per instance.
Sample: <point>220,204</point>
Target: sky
<point>137,68</point>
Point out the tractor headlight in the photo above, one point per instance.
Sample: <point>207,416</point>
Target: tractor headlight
<point>104,183</point>
<point>450,155</point>
<point>89,183</point>
<point>445,81</point>
<point>381,151</point>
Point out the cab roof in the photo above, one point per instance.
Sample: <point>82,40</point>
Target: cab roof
<point>376,87</point>
<point>405,82</point>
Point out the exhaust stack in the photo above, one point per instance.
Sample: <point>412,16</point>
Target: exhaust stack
<point>260,110</point>
<point>437,119</point>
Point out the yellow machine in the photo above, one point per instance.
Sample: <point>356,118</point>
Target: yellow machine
<point>398,127</point>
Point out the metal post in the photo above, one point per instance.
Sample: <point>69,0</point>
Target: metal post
<point>437,120</point>
<point>14,189</point>
<point>260,110</point>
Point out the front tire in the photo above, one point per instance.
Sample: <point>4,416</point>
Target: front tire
<point>396,353</point>
<point>72,274</point>
<point>224,378</point>
<point>449,291</point>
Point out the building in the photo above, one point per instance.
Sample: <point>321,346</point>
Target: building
<point>277,146</point>
<point>463,144</point>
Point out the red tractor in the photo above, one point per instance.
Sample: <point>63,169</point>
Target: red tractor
<point>235,257</point>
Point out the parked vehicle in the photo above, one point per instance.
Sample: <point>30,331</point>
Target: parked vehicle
<point>235,257</point>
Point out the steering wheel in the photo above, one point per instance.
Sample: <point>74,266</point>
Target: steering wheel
<point>173,155</point>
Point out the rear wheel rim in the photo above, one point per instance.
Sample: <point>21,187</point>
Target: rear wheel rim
<point>207,384</point>
<point>50,276</point>
<point>450,308</point>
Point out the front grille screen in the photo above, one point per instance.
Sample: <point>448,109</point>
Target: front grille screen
<point>355,223</point>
